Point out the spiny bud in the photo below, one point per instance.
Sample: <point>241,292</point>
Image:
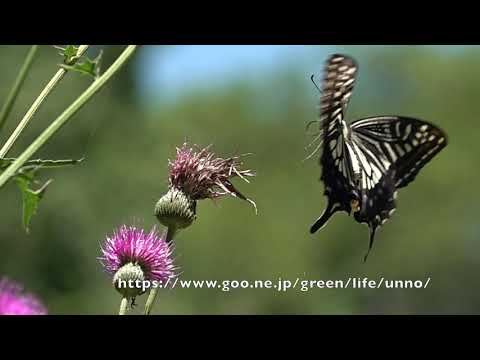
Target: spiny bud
<point>128,279</point>
<point>175,210</point>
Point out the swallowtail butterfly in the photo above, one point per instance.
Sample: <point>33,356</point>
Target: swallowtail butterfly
<point>364,163</point>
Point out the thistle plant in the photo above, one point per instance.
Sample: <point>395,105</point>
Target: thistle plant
<point>130,255</point>
<point>134,259</point>
<point>195,175</point>
<point>22,169</point>
<point>14,301</point>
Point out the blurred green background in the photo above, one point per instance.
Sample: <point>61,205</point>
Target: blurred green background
<point>131,128</point>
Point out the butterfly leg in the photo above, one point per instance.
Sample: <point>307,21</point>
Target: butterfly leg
<point>322,220</point>
<point>373,228</point>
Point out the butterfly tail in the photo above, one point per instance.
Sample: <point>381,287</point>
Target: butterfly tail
<point>322,220</point>
<point>373,229</point>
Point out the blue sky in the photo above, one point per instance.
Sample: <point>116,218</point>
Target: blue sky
<point>184,68</point>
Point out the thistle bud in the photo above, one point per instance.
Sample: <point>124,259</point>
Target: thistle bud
<point>128,280</point>
<point>175,210</point>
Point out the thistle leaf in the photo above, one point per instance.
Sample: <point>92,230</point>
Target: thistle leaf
<point>30,197</point>
<point>69,53</point>
<point>86,67</point>
<point>25,177</point>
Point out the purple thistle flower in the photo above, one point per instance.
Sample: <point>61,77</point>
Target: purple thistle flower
<point>130,245</point>
<point>201,175</point>
<point>13,301</point>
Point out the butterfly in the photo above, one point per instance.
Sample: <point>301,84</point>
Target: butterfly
<point>364,163</point>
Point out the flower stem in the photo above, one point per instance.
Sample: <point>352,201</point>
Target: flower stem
<point>36,104</point>
<point>171,230</point>
<point>150,301</point>
<point>67,114</point>
<point>22,74</point>
<point>123,306</point>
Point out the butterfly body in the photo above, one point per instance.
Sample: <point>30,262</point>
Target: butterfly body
<point>364,163</point>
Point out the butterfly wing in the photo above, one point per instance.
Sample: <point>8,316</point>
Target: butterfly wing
<point>391,150</point>
<point>337,87</point>
<point>407,144</point>
<point>336,159</point>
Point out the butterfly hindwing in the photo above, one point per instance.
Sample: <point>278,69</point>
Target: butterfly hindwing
<point>392,150</point>
<point>407,144</point>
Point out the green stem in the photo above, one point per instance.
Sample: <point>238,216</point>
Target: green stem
<point>7,107</point>
<point>66,115</point>
<point>36,104</point>
<point>123,306</point>
<point>150,301</point>
<point>171,231</point>
<point>152,296</point>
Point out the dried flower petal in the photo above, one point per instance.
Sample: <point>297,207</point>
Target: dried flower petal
<point>201,175</point>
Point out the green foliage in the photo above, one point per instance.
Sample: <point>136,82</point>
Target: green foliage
<point>30,197</point>
<point>25,177</point>
<point>86,66</point>
<point>17,166</point>
<point>68,53</point>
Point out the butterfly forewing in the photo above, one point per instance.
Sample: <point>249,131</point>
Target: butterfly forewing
<point>337,159</point>
<point>337,87</point>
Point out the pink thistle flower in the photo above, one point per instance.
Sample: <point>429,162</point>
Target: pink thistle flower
<point>149,251</point>
<point>13,301</point>
<point>202,175</point>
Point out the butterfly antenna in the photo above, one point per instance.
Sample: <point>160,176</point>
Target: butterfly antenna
<point>314,83</point>
<point>314,151</point>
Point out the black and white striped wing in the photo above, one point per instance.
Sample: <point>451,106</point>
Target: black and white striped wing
<point>336,159</point>
<point>337,87</point>
<point>390,150</point>
<point>402,145</point>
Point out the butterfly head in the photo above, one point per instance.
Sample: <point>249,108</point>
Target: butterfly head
<point>354,206</point>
